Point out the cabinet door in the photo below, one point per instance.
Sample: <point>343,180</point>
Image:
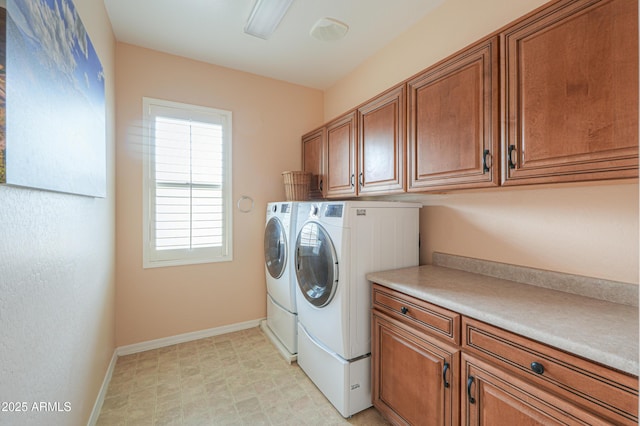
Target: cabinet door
<point>494,397</point>
<point>313,160</point>
<point>607,393</point>
<point>453,122</point>
<point>381,143</point>
<point>341,156</point>
<point>570,86</point>
<point>415,377</point>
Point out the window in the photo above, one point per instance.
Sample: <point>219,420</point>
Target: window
<point>187,184</point>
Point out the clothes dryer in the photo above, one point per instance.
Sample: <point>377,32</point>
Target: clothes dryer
<point>337,244</point>
<point>279,241</point>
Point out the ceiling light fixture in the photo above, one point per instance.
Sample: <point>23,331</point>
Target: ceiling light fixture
<point>265,17</point>
<point>329,29</point>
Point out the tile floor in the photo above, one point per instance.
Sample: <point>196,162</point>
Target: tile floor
<point>232,379</point>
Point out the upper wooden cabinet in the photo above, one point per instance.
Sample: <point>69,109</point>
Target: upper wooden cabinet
<point>313,160</point>
<point>570,93</point>
<point>381,130</point>
<point>453,121</point>
<point>552,97</point>
<point>341,156</point>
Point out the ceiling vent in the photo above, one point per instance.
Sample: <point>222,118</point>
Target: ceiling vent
<point>329,29</point>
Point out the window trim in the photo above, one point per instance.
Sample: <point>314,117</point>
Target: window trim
<point>152,258</point>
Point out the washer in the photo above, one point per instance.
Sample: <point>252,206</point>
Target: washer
<point>337,244</point>
<point>279,240</point>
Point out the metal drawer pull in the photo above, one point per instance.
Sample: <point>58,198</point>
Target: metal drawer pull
<point>404,309</point>
<point>472,400</point>
<point>486,167</point>
<point>444,374</point>
<point>537,368</point>
<point>511,163</point>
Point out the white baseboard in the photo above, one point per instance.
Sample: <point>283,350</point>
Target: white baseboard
<point>186,337</point>
<point>160,343</point>
<point>95,413</point>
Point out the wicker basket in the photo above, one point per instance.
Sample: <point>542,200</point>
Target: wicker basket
<point>296,185</point>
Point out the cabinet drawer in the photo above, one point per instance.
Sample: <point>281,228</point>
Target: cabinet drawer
<point>429,318</point>
<point>609,393</point>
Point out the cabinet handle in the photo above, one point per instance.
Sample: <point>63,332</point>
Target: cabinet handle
<point>486,167</point>
<point>320,185</point>
<point>537,368</point>
<point>361,180</point>
<point>404,310</point>
<point>472,400</point>
<point>512,164</point>
<point>444,374</point>
<point>353,180</point>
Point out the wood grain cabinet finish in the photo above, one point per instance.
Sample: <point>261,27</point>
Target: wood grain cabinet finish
<point>577,385</point>
<point>570,93</point>
<point>381,139</point>
<point>313,146</point>
<point>415,374</point>
<point>495,397</point>
<point>551,98</point>
<point>432,366</point>
<point>341,156</point>
<point>453,121</point>
<point>422,315</point>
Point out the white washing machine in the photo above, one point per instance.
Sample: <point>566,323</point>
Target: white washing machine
<point>279,241</point>
<point>338,243</point>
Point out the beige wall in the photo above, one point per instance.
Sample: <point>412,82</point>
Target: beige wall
<point>588,229</point>
<point>57,280</point>
<point>268,118</point>
<point>584,230</point>
<point>447,29</point>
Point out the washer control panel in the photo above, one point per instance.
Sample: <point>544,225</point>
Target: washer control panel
<point>333,210</point>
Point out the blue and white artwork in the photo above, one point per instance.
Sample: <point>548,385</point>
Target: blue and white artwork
<point>55,100</point>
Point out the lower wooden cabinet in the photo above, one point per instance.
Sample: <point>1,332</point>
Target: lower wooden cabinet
<point>585,386</point>
<point>416,380</point>
<point>415,359</point>
<point>496,397</point>
<point>432,366</point>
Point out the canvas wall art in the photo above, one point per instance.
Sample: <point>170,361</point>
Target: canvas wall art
<point>52,102</point>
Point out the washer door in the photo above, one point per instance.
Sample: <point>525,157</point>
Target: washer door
<point>316,265</point>
<point>275,247</point>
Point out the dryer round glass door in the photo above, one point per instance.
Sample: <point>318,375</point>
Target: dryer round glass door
<point>316,264</point>
<point>275,247</point>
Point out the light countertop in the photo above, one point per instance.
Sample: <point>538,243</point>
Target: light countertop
<point>594,329</point>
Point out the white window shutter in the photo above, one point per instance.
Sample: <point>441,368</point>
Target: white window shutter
<point>187,184</point>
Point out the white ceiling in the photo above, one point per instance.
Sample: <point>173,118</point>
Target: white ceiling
<point>212,31</point>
